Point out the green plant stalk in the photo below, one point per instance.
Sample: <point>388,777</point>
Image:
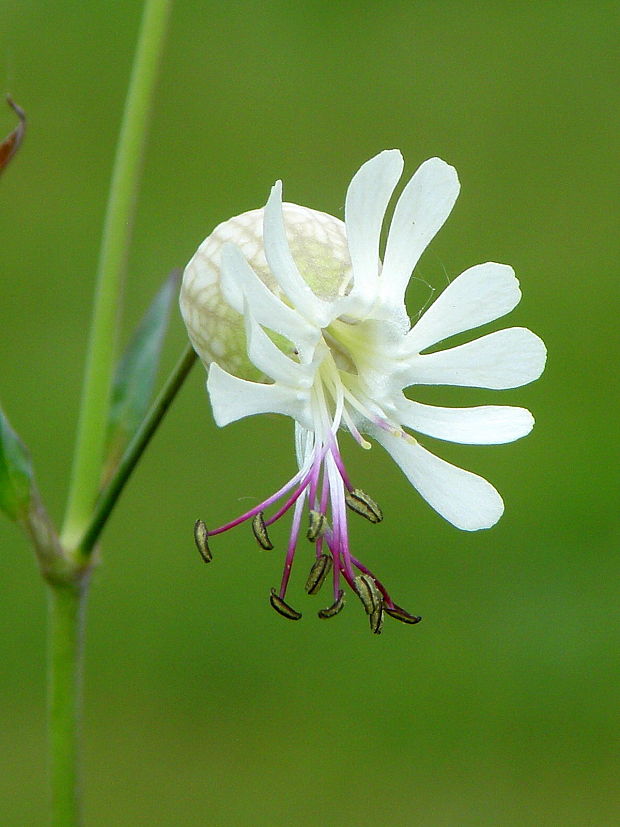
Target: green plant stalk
<point>67,596</point>
<point>100,361</point>
<point>134,451</point>
<point>65,631</point>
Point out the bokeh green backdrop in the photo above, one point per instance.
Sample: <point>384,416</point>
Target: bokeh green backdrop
<point>202,705</point>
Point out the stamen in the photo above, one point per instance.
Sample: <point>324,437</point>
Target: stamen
<point>334,609</point>
<point>387,600</point>
<point>283,608</point>
<point>400,614</point>
<point>292,545</point>
<point>361,503</point>
<point>309,480</point>
<point>376,621</point>
<point>316,526</point>
<point>319,571</point>
<point>201,538</point>
<point>260,532</point>
<point>261,506</point>
<point>335,452</point>
<point>363,443</point>
<point>372,599</point>
<point>368,593</point>
<point>338,538</point>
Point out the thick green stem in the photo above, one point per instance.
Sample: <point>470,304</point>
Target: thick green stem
<point>66,604</point>
<point>134,451</point>
<point>94,411</point>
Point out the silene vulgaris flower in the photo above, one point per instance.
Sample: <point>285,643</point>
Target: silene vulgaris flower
<point>295,312</point>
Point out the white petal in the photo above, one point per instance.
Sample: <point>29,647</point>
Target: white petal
<point>283,267</point>
<point>479,295</point>
<point>367,198</point>
<point>422,208</point>
<point>464,499</point>
<point>485,425</point>
<point>239,282</point>
<point>505,359</point>
<point>271,361</point>
<point>233,398</point>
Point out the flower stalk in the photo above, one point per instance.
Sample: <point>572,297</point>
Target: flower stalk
<point>67,594</point>
<point>66,607</point>
<point>117,227</point>
<point>134,451</point>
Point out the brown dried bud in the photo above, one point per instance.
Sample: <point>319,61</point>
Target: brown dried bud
<point>10,145</point>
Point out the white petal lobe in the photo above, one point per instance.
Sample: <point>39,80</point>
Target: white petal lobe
<point>240,284</point>
<point>485,425</point>
<point>422,208</point>
<point>366,202</point>
<point>233,398</point>
<point>464,499</point>
<point>479,295</point>
<point>268,358</point>
<point>283,267</point>
<point>505,359</point>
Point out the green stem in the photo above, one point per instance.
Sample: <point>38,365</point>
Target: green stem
<point>134,451</point>
<point>114,246</point>
<point>66,609</point>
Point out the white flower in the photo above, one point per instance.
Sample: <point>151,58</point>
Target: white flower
<point>325,322</point>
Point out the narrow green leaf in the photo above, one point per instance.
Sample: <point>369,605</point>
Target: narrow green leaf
<point>15,473</point>
<point>136,372</point>
<point>10,145</point>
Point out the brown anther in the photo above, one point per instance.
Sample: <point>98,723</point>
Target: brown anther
<point>368,593</point>
<point>334,609</point>
<point>362,504</point>
<point>400,614</point>
<point>319,571</point>
<point>316,525</point>
<point>260,532</point>
<point>201,538</point>
<point>283,608</point>
<point>376,621</point>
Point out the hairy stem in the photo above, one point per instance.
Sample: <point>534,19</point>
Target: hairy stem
<point>113,254</point>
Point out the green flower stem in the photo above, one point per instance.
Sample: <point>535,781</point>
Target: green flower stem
<point>114,246</point>
<point>134,451</point>
<point>65,629</point>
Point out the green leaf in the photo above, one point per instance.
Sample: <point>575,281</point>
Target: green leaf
<point>15,472</point>
<point>136,372</point>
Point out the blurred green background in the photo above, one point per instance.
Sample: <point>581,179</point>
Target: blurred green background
<point>202,705</point>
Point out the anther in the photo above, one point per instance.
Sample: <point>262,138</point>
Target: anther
<point>400,614</point>
<point>316,525</point>
<point>362,504</point>
<point>201,538</point>
<point>319,571</point>
<point>376,621</point>
<point>260,532</point>
<point>334,609</point>
<point>368,593</point>
<point>283,608</point>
